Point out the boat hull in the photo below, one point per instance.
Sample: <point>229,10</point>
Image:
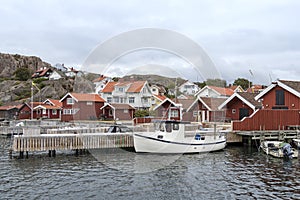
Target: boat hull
<point>143,143</point>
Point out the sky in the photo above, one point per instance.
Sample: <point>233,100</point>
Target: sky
<point>257,40</point>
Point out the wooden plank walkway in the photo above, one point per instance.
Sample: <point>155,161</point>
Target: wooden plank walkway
<point>53,142</point>
<point>270,135</point>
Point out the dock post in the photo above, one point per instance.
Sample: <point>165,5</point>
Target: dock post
<point>26,154</point>
<point>53,153</point>
<point>21,155</point>
<point>10,153</point>
<point>215,130</point>
<point>49,153</point>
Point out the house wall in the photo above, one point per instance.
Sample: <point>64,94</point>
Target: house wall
<point>8,114</point>
<point>208,93</point>
<point>163,112</point>
<point>25,113</point>
<point>49,114</point>
<point>291,101</point>
<point>121,115</point>
<point>217,116</point>
<point>85,112</point>
<point>268,120</point>
<point>236,104</point>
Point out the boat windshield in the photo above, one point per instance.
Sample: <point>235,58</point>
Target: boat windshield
<point>166,126</point>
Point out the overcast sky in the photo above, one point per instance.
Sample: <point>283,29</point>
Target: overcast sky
<point>261,36</point>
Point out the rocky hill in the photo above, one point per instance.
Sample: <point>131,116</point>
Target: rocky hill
<point>9,63</point>
<point>12,90</point>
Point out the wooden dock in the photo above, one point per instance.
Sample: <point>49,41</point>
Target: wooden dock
<point>54,142</point>
<point>281,135</point>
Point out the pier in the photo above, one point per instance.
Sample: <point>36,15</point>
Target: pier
<point>78,142</point>
<point>249,136</point>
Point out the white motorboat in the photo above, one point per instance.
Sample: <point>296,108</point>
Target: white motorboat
<point>279,149</point>
<point>170,137</point>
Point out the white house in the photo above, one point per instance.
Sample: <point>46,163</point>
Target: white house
<point>137,94</point>
<point>214,92</point>
<point>73,72</point>
<point>100,83</point>
<point>158,90</point>
<point>188,88</point>
<point>54,76</point>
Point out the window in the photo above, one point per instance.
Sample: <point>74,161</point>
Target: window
<point>109,99</point>
<point>44,111</point>
<point>131,99</point>
<point>70,111</point>
<point>145,100</point>
<point>169,127</point>
<point>116,99</point>
<point>175,126</point>
<point>195,113</point>
<point>122,100</point>
<point>70,101</point>
<point>121,89</point>
<point>279,97</point>
<point>89,103</point>
<point>54,112</point>
<point>233,111</point>
<point>110,112</point>
<point>174,113</point>
<point>125,111</point>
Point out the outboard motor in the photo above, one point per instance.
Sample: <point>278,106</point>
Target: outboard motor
<point>287,151</point>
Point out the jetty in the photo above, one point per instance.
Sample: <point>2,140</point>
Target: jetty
<point>70,141</point>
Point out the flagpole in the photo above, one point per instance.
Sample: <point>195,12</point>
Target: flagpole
<point>31,100</point>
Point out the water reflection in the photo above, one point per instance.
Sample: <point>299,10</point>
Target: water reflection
<point>235,173</point>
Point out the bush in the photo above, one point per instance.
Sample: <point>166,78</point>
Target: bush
<point>22,74</point>
<point>141,113</point>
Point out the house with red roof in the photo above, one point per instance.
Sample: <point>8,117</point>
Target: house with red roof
<point>78,106</point>
<point>9,112</point>
<point>26,111</point>
<point>205,109</point>
<point>137,94</point>
<point>156,99</point>
<point>47,73</point>
<point>215,92</point>
<point>100,83</point>
<point>40,110</point>
<point>168,110</point>
<point>240,105</point>
<point>117,111</point>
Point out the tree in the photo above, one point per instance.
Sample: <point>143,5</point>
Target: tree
<point>244,83</point>
<point>216,82</point>
<point>22,74</point>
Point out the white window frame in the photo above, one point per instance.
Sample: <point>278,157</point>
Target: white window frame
<point>131,99</point>
<point>54,112</point>
<point>70,101</point>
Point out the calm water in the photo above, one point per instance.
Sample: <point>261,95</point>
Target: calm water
<point>235,173</point>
